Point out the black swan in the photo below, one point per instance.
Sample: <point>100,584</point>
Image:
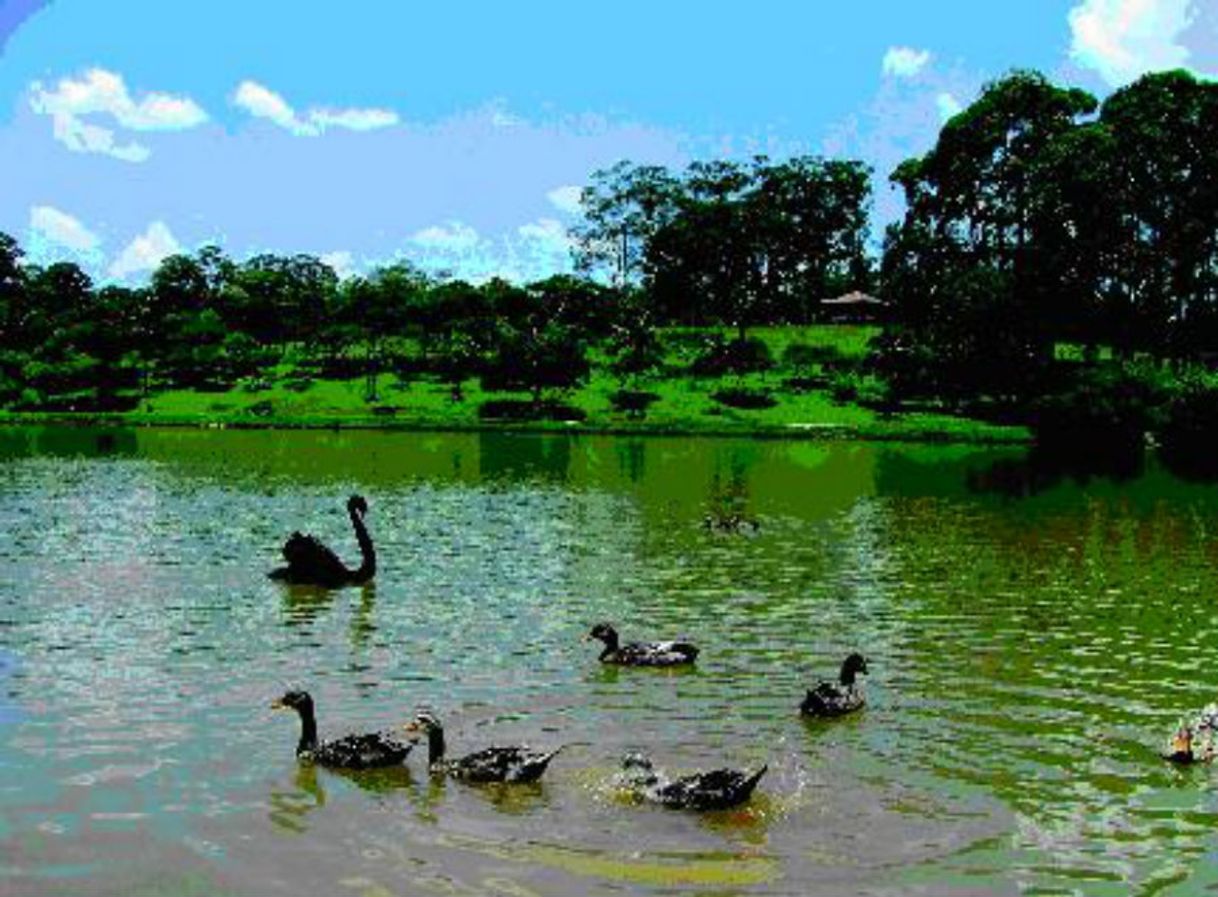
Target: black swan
<point>718,789</point>
<point>837,699</point>
<point>370,751</point>
<point>492,764</point>
<point>641,654</point>
<point>312,563</point>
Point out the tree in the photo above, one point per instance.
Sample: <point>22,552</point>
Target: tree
<point>536,357</point>
<point>623,207</point>
<point>984,268</point>
<point>1164,200</point>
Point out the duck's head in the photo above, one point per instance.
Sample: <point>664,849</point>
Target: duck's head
<point>294,700</point>
<point>424,723</point>
<point>602,632</point>
<point>356,504</point>
<point>852,666</point>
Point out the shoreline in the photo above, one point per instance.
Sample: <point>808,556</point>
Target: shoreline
<point>991,434</point>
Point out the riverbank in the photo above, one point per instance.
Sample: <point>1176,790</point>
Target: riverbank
<point>682,407</point>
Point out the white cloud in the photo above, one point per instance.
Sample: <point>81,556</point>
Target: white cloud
<point>566,199</point>
<point>145,252</point>
<point>340,261</point>
<point>534,250</point>
<point>904,62</point>
<point>62,229</point>
<point>1123,39</point>
<point>262,102</point>
<point>353,119</point>
<point>947,105</point>
<point>452,237</point>
<point>101,92</point>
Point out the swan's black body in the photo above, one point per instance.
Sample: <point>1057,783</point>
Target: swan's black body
<point>312,563</point>
<point>718,789</point>
<point>493,764</point>
<point>641,654</point>
<point>368,751</point>
<point>830,699</point>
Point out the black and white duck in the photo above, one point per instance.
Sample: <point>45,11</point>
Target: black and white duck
<point>641,654</point>
<point>369,751</point>
<point>515,763</point>
<point>718,789</point>
<point>830,699</point>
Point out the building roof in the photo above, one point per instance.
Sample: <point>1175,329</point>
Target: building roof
<point>854,298</point>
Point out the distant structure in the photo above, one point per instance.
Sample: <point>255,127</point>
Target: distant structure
<point>854,308</point>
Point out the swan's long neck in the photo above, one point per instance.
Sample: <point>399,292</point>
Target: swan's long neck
<point>308,730</point>
<point>367,569</point>
<point>435,745</point>
<point>847,676</point>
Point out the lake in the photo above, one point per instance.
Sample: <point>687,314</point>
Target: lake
<point>1032,642</point>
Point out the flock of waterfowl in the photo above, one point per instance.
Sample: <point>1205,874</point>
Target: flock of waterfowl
<point>309,562</point>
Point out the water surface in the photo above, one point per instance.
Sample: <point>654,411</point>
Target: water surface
<point>1031,644</point>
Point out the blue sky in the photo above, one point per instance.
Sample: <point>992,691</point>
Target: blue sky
<point>457,135</point>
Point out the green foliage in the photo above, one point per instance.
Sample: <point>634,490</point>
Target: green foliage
<point>1189,433</point>
<point>513,409</point>
<point>864,388</point>
<point>536,358</point>
<point>633,403</point>
<point>1107,409</point>
<point>744,397</point>
<point>739,356</point>
<point>802,357</point>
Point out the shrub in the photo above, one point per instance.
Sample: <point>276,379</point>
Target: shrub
<point>632,402</point>
<point>865,389</point>
<point>1189,434</point>
<point>742,397</point>
<point>802,356</point>
<point>1100,409</point>
<point>515,409</point>
<point>720,357</point>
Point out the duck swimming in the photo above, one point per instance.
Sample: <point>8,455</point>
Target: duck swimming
<point>312,563</point>
<point>369,751</point>
<point>492,764</point>
<point>1193,741</point>
<point>830,699</point>
<point>641,654</point>
<point>718,789</point>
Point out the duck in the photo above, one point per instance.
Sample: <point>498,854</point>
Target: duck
<point>310,562</point>
<point>515,763</point>
<point>641,654</point>
<point>373,750</point>
<point>1193,741</point>
<point>718,789</point>
<point>731,524</point>
<point>830,699</point>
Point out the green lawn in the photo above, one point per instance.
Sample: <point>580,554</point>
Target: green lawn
<point>685,403</point>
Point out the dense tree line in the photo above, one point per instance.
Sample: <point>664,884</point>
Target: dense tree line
<point>1041,216</point>
<point>1040,219</point>
<point>721,243</point>
<point>729,242</point>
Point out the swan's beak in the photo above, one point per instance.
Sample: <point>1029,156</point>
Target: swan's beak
<point>412,727</point>
<point>587,637</point>
<point>278,704</point>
